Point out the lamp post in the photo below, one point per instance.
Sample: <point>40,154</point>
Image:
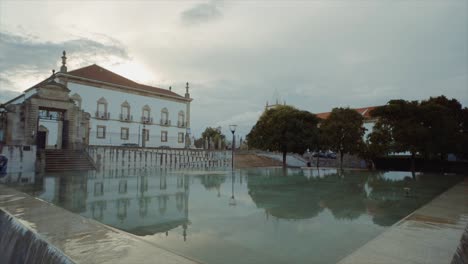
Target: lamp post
<point>233,130</point>
<point>232,201</point>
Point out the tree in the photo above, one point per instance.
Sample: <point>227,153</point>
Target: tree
<point>432,128</point>
<point>443,120</point>
<point>344,131</point>
<point>402,120</point>
<point>378,143</point>
<point>198,143</point>
<point>285,129</point>
<point>215,135</point>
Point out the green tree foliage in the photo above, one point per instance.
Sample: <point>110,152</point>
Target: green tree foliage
<point>285,129</point>
<point>378,143</point>
<point>215,135</point>
<point>432,128</point>
<point>198,143</point>
<point>443,120</point>
<point>402,121</point>
<point>343,130</point>
<point>463,147</point>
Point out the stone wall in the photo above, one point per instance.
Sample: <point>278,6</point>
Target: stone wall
<point>20,158</point>
<point>109,157</point>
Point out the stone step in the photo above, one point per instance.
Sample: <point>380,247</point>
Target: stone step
<point>66,160</point>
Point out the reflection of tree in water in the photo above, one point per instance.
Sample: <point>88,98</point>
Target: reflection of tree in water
<point>292,197</point>
<point>345,195</point>
<point>388,202</point>
<point>212,181</point>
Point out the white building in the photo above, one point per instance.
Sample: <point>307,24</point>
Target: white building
<point>116,111</point>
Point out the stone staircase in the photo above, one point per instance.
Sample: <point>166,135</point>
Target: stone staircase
<point>67,160</point>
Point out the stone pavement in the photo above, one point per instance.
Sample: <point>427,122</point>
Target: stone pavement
<point>429,235</point>
<point>83,240</point>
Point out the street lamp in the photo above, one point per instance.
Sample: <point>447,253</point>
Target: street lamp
<point>233,130</point>
<point>232,201</point>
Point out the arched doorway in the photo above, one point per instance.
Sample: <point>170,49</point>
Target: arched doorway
<point>42,133</point>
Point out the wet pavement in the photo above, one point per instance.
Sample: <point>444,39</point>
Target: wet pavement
<point>429,235</point>
<point>83,240</point>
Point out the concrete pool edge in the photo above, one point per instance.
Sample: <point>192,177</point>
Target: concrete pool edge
<point>81,239</point>
<point>431,234</point>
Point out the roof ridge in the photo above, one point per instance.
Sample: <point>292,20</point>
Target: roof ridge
<point>99,73</point>
<point>109,71</point>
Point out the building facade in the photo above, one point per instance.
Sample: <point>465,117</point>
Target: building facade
<point>94,106</point>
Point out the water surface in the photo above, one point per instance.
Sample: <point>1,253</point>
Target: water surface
<point>249,216</point>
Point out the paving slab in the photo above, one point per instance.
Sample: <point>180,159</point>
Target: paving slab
<point>83,240</point>
<point>430,235</point>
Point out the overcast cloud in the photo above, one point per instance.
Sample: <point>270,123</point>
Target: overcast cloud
<point>316,54</point>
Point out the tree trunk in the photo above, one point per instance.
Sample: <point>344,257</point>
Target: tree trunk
<point>413,162</point>
<point>284,159</point>
<point>341,160</point>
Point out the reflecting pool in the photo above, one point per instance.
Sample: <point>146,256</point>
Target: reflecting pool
<point>249,216</point>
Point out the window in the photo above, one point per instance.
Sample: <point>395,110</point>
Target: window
<point>102,109</point>
<point>181,137</point>
<point>146,134</point>
<point>125,111</point>
<point>180,122</point>
<point>98,188</point>
<point>146,114</point>
<point>163,136</point>
<point>101,132</point>
<point>123,186</point>
<point>124,133</point>
<point>164,117</point>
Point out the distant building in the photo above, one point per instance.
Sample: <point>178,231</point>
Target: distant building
<point>94,106</point>
<point>369,121</point>
<point>275,102</point>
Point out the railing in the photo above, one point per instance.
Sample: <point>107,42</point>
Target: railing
<point>165,122</point>
<point>180,123</point>
<point>146,120</point>
<point>126,118</point>
<point>102,115</point>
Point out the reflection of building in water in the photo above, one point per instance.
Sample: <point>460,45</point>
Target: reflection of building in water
<point>138,201</point>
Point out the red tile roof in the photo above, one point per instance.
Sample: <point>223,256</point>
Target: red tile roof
<point>364,111</point>
<point>98,73</point>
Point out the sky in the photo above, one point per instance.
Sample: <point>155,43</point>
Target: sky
<point>237,55</point>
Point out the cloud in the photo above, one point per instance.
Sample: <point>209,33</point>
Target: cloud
<point>25,60</point>
<point>6,95</point>
<point>317,54</point>
<point>201,13</point>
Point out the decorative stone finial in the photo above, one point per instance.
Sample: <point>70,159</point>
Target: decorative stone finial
<point>170,88</point>
<point>64,62</point>
<point>187,94</point>
<point>53,71</point>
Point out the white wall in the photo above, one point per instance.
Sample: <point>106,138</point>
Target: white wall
<point>369,126</point>
<point>20,159</point>
<point>90,95</point>
<point>53,134</point>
